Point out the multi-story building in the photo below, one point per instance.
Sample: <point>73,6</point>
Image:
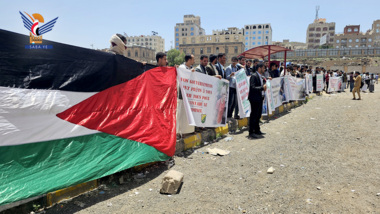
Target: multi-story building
<point>154,42</point>
<point>286,43</point>
<point>316,30</point>
<point>191,26</point>
<point>257,35</point>
<point>353,38</point>
<point>141,54</point>
<point>230,44</point>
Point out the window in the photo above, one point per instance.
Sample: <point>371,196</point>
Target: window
<point>192,51</point>
<point>253,43</point>
<point>226,52</point>
<point>259,37</point>
<point>350,40</point>
<point>176,39</point>
<point>311,29</point>
<point>364,40</point>
<point>259,43</point>
<point>129,54</point>
<point>369,46</point>
<point>191,34</point>
<point>136,54</point>
<point>377,30</point>
<point>356,46</point>
<point>349,30</point>
<point>267,31</point>
<point>259,26</point>
<point>176,44</point>
<point>143,54</point>
<point>325,29</point>
<point>337,41</point>
<point>266,43</point>
<point>176,34</point>
<point>259,32</point>
<point>318,29</point>
<point>183,29</point>
<point>318,35</point>
<point>246,33</point>
<point>246,38</point>
<point>254,27</point>
<point>357,40</point>
<point>192,29</point>
<point>217,50</point>
<point>337,46</point>
<point>254,37</point>
<point>369,40</point>
<point>236,49</point>
<point>246,49</point>
<point>356,29</point>
<point>266,26</point>
<point>247,27</point>
<point>331,28</point>
<point>311,35</point>
<point>193,40</point>
<point>201,52</point>
<point>208,49</point>
<point>176,29</point>
<point>246,43</point>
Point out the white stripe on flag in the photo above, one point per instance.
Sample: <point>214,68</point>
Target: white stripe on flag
<point>29,115</point>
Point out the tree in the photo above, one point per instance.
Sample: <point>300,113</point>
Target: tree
<point>175,57</point>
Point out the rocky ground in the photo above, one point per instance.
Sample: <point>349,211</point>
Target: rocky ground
<point>326,156</point>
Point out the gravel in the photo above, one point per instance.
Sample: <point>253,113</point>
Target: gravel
<point>321,152</point>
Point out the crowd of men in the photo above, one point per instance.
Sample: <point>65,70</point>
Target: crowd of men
<point>259,71</point>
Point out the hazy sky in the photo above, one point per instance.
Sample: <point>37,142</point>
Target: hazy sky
<point>83,23</point>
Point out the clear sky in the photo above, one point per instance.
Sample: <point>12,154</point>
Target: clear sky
<point>83,23</point>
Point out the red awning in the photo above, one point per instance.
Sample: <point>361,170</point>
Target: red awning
<point>262,51</point>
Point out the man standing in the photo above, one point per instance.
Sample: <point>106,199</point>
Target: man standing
<point>256,96</point>
<point>211,69</point>
<point>220,65</point>
<point>161,59</point>
<point>273,70</point>
<point>352,81</point>
<point>248,69</point>
<point>241,60</point>
<point>189,62</point>
<point>358,82</point>
<point>202,66</point>
<point>232,99</point>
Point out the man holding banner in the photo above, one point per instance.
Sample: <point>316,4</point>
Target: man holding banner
<point>256,96</point>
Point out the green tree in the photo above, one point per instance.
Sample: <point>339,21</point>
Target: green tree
<point>175,57</point>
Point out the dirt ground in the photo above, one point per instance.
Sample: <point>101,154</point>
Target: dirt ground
<point>326,156</point>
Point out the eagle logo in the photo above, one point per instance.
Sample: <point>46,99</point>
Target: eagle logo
<point>33,25</point>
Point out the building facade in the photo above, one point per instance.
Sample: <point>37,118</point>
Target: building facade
<point>141,54</point>
<point>257,35</point>
<point>190,27</point>
<point>230,48</point>
<point>316,30</point>
<point>353,38</point>
<point>154,42</point>
<point>286,43</point>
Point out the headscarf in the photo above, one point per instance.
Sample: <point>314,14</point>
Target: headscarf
<point>120,46</point>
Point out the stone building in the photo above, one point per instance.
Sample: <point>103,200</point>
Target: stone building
<point>286,43</point>
<point>141,54</point>
<point>353,38</point>
<point>316,30</point>
<point>154,42</point>
<point>231,48</point>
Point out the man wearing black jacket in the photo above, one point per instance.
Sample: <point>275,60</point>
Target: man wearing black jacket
<point>257,88</point>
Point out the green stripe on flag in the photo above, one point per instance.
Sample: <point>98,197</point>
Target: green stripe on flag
<point>33,169</point>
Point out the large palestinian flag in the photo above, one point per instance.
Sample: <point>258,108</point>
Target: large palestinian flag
<point>70,115</point>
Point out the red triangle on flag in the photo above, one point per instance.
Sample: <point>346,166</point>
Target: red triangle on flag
<point>142,109</point>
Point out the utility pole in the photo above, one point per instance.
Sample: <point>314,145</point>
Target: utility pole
<point>316,12</point>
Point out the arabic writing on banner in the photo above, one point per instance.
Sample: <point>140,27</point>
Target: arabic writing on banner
<point>320,85</point>
<point>242,89</point>
<point>277,91</point>
<point>205,98</point>
<point>335,84</point>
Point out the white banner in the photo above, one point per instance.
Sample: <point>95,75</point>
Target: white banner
<point>277,85</point>
<point>335,84</point>
<point>269,95</point>
<point>309,83</point>
<point>297,88</point>
<point>205,98</point>
<point>242,90</point>
<point>320,84</point>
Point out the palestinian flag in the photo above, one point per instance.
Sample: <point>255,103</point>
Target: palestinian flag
<point>70,115</point>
